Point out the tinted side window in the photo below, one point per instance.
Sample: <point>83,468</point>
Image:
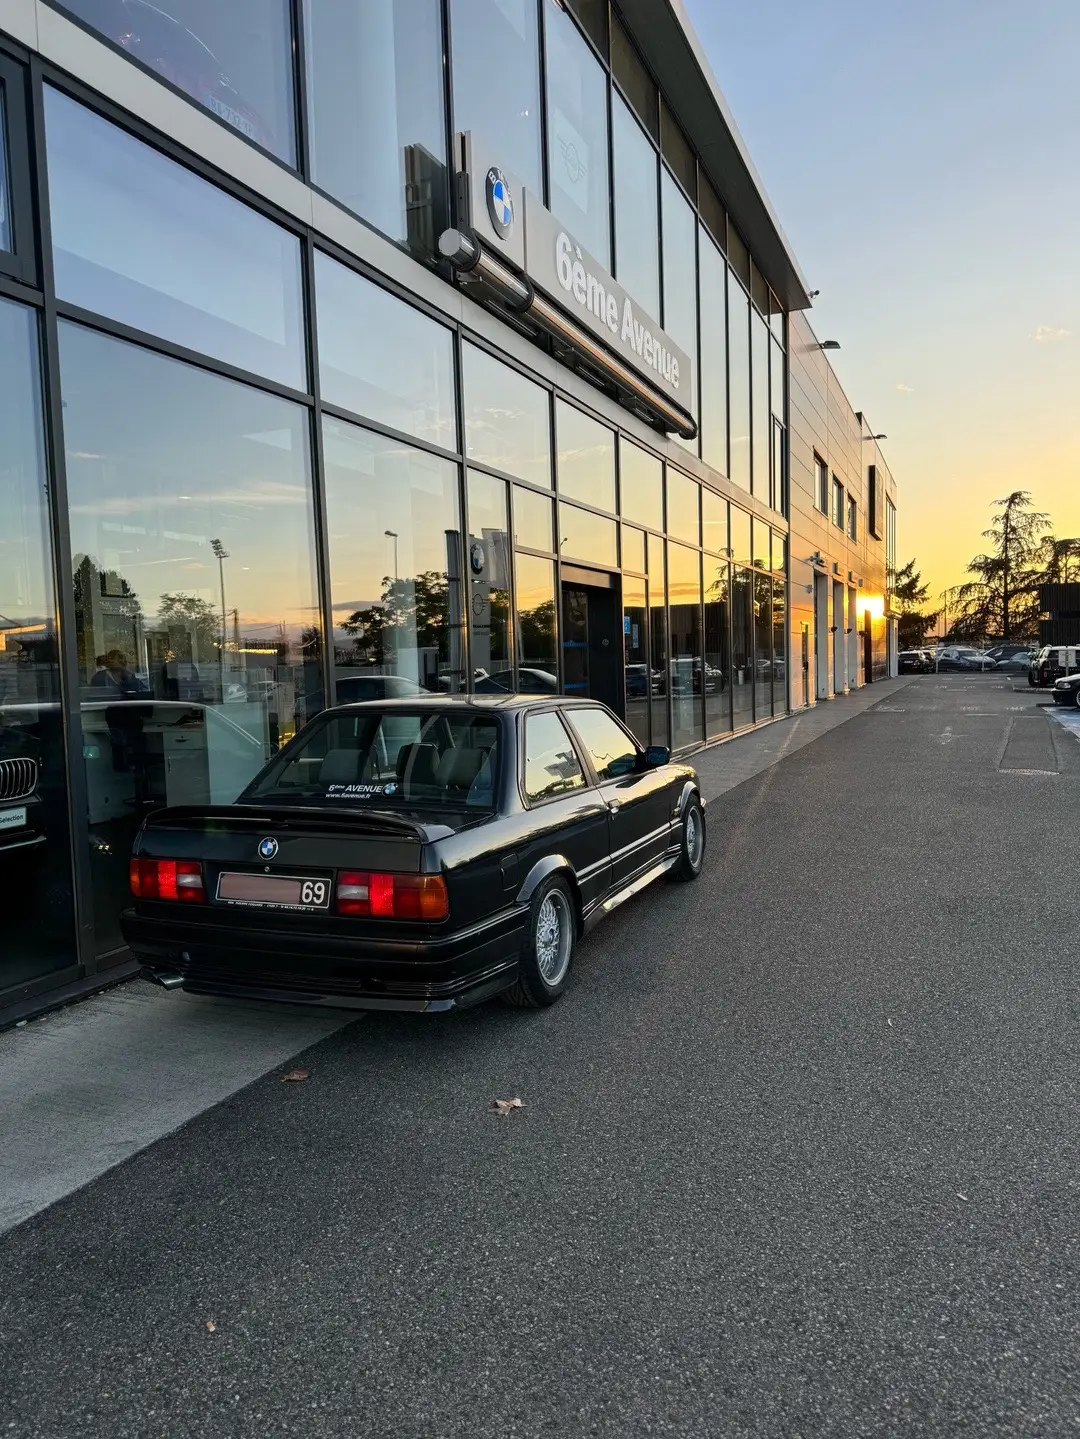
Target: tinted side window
<point>610,748</point>
<point>551,765</point>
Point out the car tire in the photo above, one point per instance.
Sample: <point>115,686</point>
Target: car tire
<point>691,843</point>
<point>1076,697</point>
<point>547,949</point>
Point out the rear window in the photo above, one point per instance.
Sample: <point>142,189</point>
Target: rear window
<point>396,758</point>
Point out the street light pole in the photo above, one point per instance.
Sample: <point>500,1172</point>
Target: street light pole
<point>222,555</point>
<point>393,535</point>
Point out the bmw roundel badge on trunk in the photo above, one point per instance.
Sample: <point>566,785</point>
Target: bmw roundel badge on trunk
<point>268,848</point>
<point>500,202</point>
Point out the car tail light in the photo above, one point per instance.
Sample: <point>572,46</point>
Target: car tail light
<point>393,896</point>
<point>175,879</point>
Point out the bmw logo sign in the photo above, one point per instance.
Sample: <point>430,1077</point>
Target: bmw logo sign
<point>477,557</point>
<point>500,202</point>
<point>268,848</point>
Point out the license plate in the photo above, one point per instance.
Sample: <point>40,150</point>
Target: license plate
<point>275,891</point>
<point>13,818</point>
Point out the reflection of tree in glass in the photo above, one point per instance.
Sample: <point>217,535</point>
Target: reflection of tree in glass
<point>311,642</point>
<point>418,607</point>
<point>194,625</point>
<point>538,634</point>
<point>719,584</point>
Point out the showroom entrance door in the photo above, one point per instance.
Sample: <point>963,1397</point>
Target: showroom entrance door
<point>591,639</point>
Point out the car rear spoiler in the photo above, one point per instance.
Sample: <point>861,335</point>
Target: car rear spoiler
<point>294,817</point>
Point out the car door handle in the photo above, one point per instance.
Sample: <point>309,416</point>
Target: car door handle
<point>614,805</point>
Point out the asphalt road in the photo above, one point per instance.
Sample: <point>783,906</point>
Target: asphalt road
<point>798,1156</point>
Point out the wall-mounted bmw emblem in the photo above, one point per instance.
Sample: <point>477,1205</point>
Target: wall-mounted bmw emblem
<point>500,202</point>
<point>268,848</point>
<point>477,558</point>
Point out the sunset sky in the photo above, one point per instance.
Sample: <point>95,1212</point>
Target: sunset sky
<point>924,160</point>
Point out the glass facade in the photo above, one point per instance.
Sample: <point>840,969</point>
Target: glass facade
<point>680,276</point>
<point>577,135</point>
<point>507,418</point>
<point>637,225</point>
<point>406,382</point>
<point>289,481</point>
<point>496,80</point>
<point>586,458</point>
<point>196,602</point>
<point>377,113</point>
<point>144,241</point>
<point>7,239</point>
<point>35,854</point>
<point>235,59</point>
<point>738,308</point>
<point>394,528</point>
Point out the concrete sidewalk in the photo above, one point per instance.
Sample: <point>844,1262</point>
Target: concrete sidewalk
<point>733,762</point>
<point>83,1088</point>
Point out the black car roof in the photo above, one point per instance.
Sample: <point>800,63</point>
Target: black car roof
<point>477,702</point>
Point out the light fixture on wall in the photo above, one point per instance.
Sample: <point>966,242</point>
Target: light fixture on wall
<point>875,437</point>
<point>828,344</point>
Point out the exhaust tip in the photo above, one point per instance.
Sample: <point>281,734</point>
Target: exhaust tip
<point>166,978</point>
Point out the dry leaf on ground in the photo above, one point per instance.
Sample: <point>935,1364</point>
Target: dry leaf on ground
<point>211,1326</point>
<point>296,1075</point>
<point>506,1107</point>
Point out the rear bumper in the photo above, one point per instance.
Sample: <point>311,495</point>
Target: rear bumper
<point>451,972</point>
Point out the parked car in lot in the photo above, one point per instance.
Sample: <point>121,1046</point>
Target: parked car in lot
<point>914,662</point>
<point>1066,691</point>
<point>417,855</point>
<point>1010,658</point>
<point>1051,663</point>
<point>961,659</point>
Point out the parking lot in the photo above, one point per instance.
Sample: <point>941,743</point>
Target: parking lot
<point>796,1156</point>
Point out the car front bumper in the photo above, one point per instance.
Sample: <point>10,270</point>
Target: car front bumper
<point>450,972</point>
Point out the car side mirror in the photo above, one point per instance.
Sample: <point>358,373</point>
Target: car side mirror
<point>656,756</point>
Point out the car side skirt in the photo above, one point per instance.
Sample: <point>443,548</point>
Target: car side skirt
<point>655,872</point>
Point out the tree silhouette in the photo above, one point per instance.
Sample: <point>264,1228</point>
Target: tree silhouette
<point>909,596</point>
<point>1002,601</point>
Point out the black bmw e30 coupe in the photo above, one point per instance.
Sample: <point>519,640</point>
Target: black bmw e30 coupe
<point>414,854</point>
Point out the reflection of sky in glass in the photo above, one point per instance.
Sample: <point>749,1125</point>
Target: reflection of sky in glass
<point>586,458</point>
<point>383,359</point>
<point>163,458</point>
<point>506,419</point>
<point>143,240</point>
<point>637,230</point>
<point>682,506</point>
<point>680,271</point>
<point>713,355</point>
<point>577,135</point>
<point>739,380</point>
<point>641,486</point>
<point>375,485</point>
<point>585,536</point>
<point>5,204</point>
<point>496,80</point>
